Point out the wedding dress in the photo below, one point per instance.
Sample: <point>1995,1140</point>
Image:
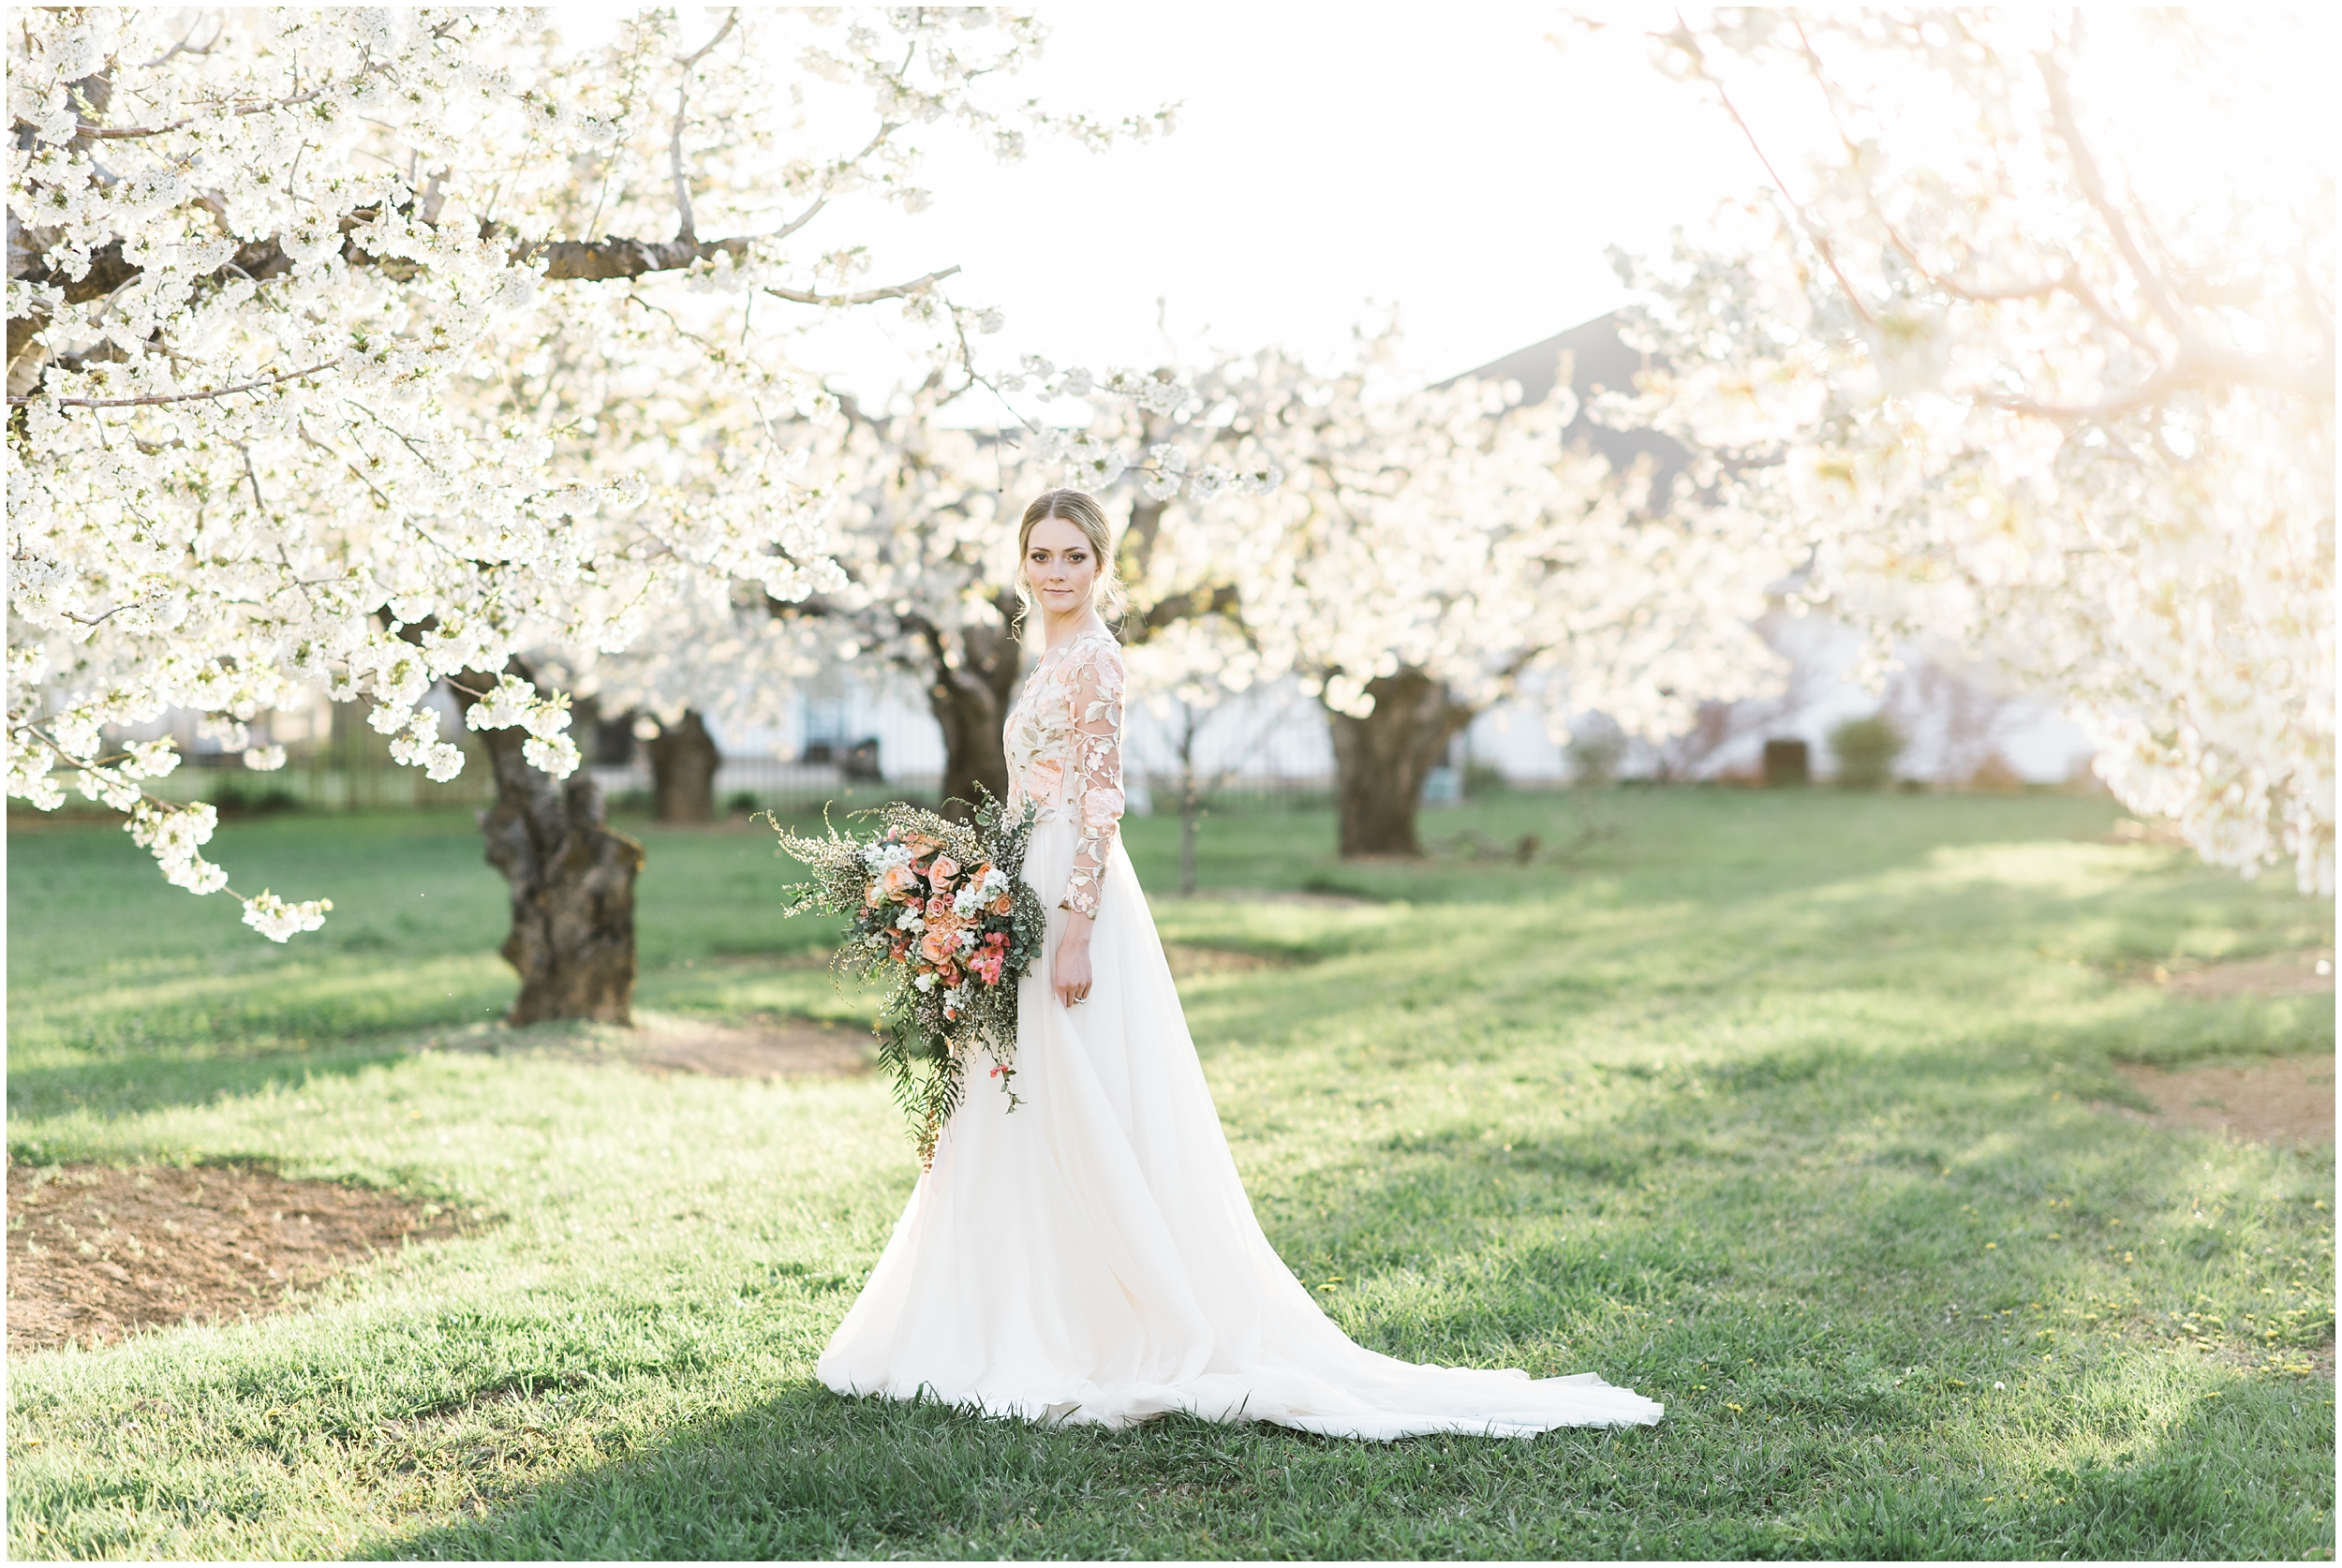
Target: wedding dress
<point>1092,1257</point>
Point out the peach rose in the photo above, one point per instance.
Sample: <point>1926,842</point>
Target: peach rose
<point>1101,808</point>
<point>898,882</point>
<point>1004,904</point>
<point>941,870</point>
<point>939,947</point>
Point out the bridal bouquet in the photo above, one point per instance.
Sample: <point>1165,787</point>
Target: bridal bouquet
<point>939,914</point>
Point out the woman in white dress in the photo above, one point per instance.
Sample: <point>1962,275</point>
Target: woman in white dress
<point>1092,1257</point>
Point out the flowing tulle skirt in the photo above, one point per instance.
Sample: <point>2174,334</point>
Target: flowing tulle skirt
<point>1092,1257</point>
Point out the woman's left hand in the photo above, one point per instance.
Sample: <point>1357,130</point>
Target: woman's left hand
<point>1069,973</point>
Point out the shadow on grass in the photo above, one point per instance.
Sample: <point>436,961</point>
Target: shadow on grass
<point>123,1086</point>
<point>805,1473</point>
<point>1801,1306</point>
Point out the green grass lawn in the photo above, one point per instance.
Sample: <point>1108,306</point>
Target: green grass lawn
<point>1775,1106</point>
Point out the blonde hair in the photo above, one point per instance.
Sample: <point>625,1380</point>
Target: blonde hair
<point>1081,510</point>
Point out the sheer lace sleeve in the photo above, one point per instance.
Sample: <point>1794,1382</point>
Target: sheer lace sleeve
<point>1094,689</point>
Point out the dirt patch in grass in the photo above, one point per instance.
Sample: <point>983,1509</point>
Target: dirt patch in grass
<point>740,1045</point>
<point>2287,1099</point>
<point>2308,973</point>
<point>95,1251</point>
<point>1189,961</point>
<point>2130,830</point>
<point>755,1047</point>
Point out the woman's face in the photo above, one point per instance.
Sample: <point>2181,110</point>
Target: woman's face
<point>1060,565</point>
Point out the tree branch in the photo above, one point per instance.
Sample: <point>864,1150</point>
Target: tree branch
<point>2195,366</point>
<point>1685,36</point>
<point>687,231</point>
<point>865,296</point>
<point>2094,189</point>
<point>565,261</point>
<point>174,397</point>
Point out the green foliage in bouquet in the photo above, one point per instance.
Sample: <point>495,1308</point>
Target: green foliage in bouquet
<point>941,912</point>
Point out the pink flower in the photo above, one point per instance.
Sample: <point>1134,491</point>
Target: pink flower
<point>1045,780</point>
<point>941,870</point>
<point>1101,808</point>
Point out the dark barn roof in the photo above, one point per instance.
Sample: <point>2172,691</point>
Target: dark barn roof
<point>1601,362</point>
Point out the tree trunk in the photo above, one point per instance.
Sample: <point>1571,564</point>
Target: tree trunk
<point>573,880</point>
<point>1380,762</point>
<point>1191,825</point>
<point>969,687</point>
<point>683,763</point>
<point>1190,798</point>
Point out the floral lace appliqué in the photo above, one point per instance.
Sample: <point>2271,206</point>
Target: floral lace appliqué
<point>1064,742</point>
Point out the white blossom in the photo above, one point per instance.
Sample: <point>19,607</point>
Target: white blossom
<point>278,921</point>
<point>2040,356</point>
<point>314,392</point>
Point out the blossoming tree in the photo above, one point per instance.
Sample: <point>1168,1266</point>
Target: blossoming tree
<point>2043,343</point>
<point>364,347</point>
<point>924,522</point>
<point>1428,552</point>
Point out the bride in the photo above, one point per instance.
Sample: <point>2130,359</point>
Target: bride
<point>1092,1257</point>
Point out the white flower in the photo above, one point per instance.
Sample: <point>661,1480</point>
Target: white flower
<point>154,759</point>
<point>277,920</point>
<point>432,480</point>
<point>558,756</point>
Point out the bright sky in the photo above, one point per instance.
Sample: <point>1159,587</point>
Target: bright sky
<point>1444,159</point>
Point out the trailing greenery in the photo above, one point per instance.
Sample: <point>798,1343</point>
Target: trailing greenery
<point>1777,1107</point>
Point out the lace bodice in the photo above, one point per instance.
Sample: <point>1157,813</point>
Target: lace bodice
<point>1065,752</point>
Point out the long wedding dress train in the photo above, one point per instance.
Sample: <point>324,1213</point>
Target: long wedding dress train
<point>1093,1256</point>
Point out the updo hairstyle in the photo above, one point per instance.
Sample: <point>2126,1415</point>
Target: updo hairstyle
<point>1081,510</point>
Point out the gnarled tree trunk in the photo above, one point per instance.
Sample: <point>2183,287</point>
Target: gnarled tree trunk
<point>573,882</point>
<point>971,679</point>
<point>1380,762</point>
<point>683,763</point>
